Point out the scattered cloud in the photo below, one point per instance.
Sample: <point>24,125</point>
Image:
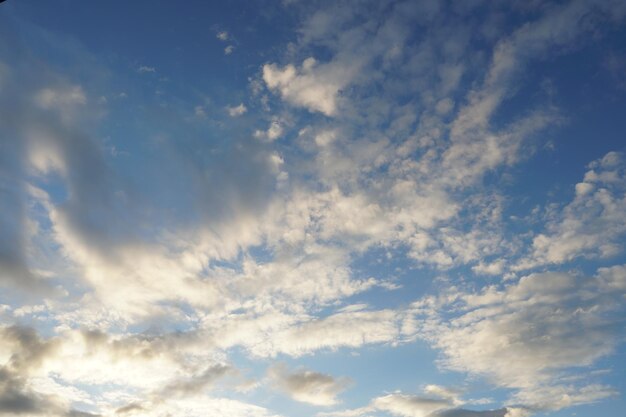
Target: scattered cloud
<point>237,110</point>
<point>145,69</point>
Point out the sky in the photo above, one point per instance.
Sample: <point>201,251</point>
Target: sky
<point>312,208</point>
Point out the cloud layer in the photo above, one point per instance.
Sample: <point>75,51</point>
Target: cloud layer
<point>173,242</point>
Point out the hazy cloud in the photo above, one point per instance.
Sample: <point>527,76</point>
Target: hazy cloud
<point>145,69</point>
<point>236,110</point>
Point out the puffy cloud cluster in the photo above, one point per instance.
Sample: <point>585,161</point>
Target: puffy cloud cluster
<point>315,87</point>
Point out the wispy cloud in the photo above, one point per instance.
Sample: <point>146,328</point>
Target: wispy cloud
<point>146,69</point>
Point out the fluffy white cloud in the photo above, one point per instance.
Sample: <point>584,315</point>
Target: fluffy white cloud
<point>312,86</point>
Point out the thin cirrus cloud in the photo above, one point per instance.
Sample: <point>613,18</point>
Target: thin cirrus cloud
<point>373,209</point>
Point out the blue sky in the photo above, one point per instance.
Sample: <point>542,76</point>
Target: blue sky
<point>327,209</point>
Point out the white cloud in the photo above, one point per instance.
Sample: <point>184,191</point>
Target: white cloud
<point>590,226</point>
<point>223,36</point>
<point>229,50</point>
<point>273,132</point>
<point>340,330</point>
<point>526,335</point>
<point>312,86</point>
<point>237,110</point>
<point>550,398</point>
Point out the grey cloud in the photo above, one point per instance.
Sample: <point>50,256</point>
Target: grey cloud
<point>29,349</point>
<point>76,413</point>
<point>179,388</point>
<point>47,127</point>
<point>28,352</point>
<point>188,193</point>
<point>308,386</point>
<point>142,346</point>
<point>406,405</point>
<point>196,383</point>
<point>461,412</point>
<point>13,264</point>
<point>410,405</point>
<point>15,399</point>
<point>130,408</point>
